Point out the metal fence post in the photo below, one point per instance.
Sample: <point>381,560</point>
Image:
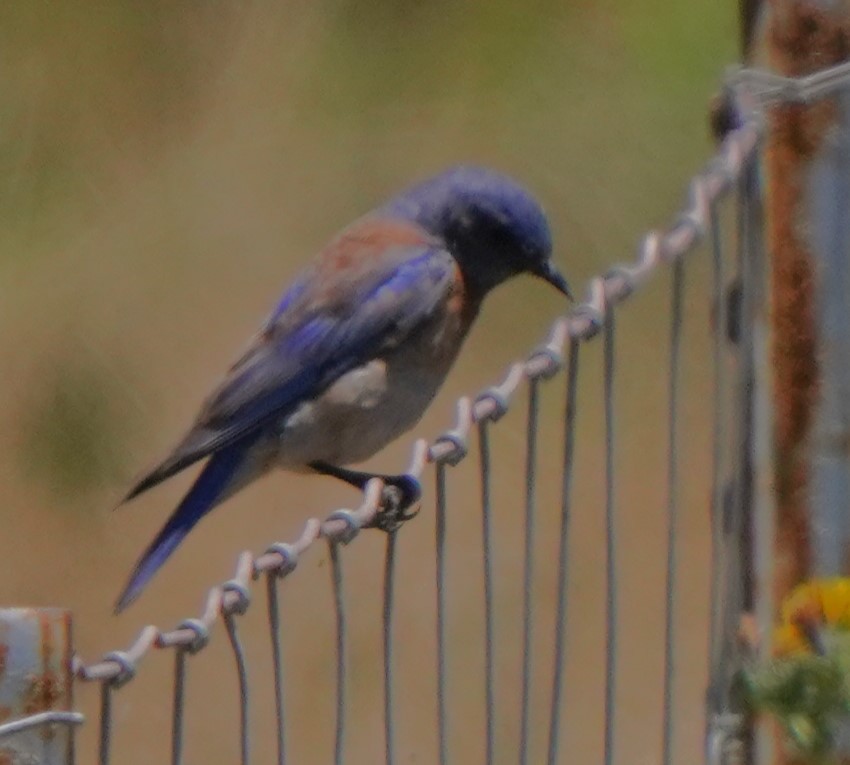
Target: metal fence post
<point>36,678</point>
<point>828,192</point>
<point>808,164</point>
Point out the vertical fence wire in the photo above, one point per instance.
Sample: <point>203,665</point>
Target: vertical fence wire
<point>178,706</point>
<point>487,544</point>
<point>528,563</point>
<point>273,614</point>
<point>242,675</point>
<point>563,554</point>
<point>719,449</point>
<point>674,381</point>
<point>105,742</point>
<point>611,583</point>
<point>763,512</point>
<point>339,607</point>
<point>440,548</point>
<point>737,532</point>
<point>731,542</point>
<point>389,592</point>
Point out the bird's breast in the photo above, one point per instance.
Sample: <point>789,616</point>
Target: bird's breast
<point>370,406</point>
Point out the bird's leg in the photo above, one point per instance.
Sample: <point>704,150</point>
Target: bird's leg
<point>401,493</point>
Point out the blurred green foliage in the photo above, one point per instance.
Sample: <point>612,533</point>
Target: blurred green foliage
<point>808,695</point>
<point>79,80</point>
<point>806,685</point>
<point>71,437</point>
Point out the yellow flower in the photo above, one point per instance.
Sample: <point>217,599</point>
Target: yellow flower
<point>809,607</point>
<point>787,640</point>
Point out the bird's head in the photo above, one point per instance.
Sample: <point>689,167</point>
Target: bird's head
<point>492,226</point>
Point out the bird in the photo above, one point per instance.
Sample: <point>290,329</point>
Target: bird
<point>358,345</point>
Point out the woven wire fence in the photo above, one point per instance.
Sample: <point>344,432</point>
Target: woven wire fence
<point>728,173</point>
<point>727,186</point>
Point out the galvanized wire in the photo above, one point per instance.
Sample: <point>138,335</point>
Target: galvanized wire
<point>674,379</point>
<point>718,462</point>
<point>273,603</point>
<point>105,742</point>
<point>440,547</point>
<point>731,587</point>
<point>528,563</point>
<point>178,705</point>
<point>341,654</point>
<point>181,653</point>
<point>39,720</point>
<point>611,550</point>
<point>770,89</point>
<point>389,595</point>
<point>570,410</point>
<point>487,559</point>
<point>229,617</point>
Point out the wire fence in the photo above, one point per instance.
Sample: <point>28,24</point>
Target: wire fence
<point>560,354</point>
<point>732,174</point>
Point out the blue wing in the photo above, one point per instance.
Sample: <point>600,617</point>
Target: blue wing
<point>367,292</point>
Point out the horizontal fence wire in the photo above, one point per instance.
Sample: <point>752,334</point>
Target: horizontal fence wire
<point>769,89</point>
<point>752,90</point>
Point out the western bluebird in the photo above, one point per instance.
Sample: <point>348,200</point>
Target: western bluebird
<point>359,344</point>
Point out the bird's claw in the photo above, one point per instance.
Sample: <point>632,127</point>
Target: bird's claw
<point>399,499</point>
<point>399,502</point>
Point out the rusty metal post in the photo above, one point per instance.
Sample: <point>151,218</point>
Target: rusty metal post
<point>808,166</point>
<point>807,171</point>
<point>36,723</point>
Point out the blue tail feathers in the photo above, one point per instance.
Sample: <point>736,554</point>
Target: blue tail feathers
<point>208,489</point>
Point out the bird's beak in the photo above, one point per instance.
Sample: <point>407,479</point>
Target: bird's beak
<point>549,273</point>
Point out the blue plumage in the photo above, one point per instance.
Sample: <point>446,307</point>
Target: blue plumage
<point>208,489</point>
<point>359,345</point>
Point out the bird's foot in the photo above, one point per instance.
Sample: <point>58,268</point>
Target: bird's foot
<point>399,500</point>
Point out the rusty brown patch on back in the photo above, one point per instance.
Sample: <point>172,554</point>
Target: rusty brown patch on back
<point>802,38</point>
<point>354,254</point>
<point>366,241</point>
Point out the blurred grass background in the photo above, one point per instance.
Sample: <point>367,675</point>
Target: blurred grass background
<point>164,171</point>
